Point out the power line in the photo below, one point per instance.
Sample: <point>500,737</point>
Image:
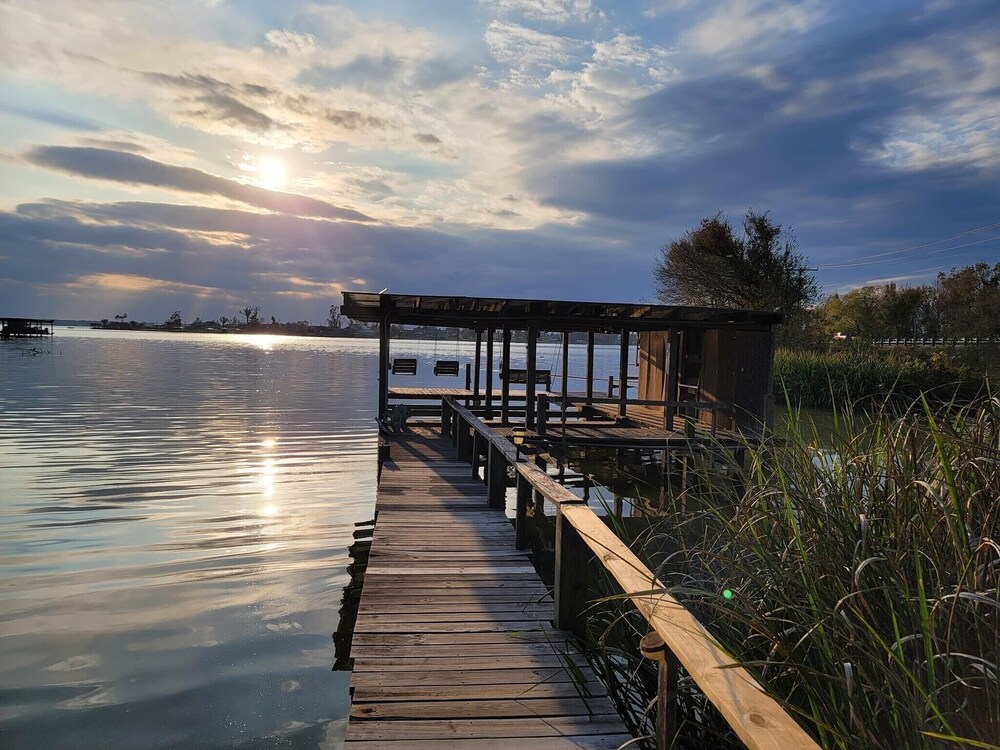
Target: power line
<point>867,260</point>
<point>890,260</point>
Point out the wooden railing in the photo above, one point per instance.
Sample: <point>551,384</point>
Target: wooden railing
<point>676,637</point>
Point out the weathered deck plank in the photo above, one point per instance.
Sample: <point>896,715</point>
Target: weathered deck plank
<point>454,642</point>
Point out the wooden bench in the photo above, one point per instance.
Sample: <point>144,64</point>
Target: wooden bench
<point>404,366</point>
<point>446,367</point>
<point>513,375</point>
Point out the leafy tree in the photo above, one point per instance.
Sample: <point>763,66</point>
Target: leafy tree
<point>969,300</point>
<point>250,313</point>
<point>174,321</point>
<point>335,317</point>
<point>713,266</point>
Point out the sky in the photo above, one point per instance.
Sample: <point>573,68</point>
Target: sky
<point>205,155</point>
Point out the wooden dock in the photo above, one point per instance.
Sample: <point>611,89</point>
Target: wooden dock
<point>454,645</point>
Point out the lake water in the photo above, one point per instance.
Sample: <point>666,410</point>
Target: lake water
<point>175,515</point>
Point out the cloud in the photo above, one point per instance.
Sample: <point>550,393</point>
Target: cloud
<point>738,25</point>
<point>52,117</point>
<point>523,48</point>
<point>290,42</point>
<point>116,166</point>
<point>554,11</point>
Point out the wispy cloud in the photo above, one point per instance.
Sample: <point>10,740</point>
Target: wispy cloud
<point>118,166</point>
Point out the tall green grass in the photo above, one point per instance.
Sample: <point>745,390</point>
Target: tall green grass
<point>866,581</point>
<point>868,374</point>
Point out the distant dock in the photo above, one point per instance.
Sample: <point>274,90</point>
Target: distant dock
<point>26,328</point>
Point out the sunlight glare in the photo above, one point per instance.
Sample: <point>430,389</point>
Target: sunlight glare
<point>271,172</point>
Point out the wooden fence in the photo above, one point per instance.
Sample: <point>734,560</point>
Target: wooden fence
<point>676,637</point>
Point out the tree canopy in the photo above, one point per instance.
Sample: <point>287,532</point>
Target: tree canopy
<point>962,302</point>
<point>713,266</point>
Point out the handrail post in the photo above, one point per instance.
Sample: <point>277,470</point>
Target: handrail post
<point>653,647</point>
<point>521,512</point>
<point>445,418</point>
<point>475,454</point>
<point>570,590</point>
<point>496,489</point>
<point>464,441</point>
<point>611,386</point>
<point>454,427</point>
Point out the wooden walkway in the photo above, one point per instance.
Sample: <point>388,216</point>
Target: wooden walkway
<point>454,646</point>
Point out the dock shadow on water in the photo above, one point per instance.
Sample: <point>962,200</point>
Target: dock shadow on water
<point>175,518</point>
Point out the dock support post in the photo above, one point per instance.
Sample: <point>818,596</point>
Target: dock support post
<point>673,363</point>
<point>542,416</point>
<point>570,592</point>
<point>479,364</point>
<point>532,370</point>
<point>505,381</point>
<point>383,368</point>
<point>496,491</point>
<point>454,427</point>
<point>653,647</point>
<point>590,368</point>
<point>489,373</point>
<point>521,513</point>
<point>565,364</point>
<point>623,374</point>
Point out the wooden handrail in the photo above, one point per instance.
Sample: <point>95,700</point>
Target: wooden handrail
<point>756,718</point>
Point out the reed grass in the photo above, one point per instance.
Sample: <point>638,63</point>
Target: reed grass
<point>866,581</point>
<point>825,379</point>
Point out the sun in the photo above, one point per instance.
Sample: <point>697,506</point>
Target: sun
<point>271,172</point>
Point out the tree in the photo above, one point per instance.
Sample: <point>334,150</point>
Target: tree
<point>712,266</point>
<point>335,317</point>
<point>251,313</point>
<point>969,300</point>
<point>174,321</point>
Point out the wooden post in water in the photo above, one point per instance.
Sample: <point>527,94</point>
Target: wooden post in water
<point>521,513</point>
<point>652,647</point>
<point>478,367</point>
<point>590,367</point>
<point>505,381</point>
<point>623,374</point>
<point>489,372</point>
<point>570,592</point>
<point>383,368</point>
<point>531,371</point>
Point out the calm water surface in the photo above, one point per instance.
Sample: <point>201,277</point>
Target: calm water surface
<point>175,512</point>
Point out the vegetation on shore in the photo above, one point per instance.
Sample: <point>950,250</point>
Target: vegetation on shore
<point>865,581</point>
<point>866,375</point>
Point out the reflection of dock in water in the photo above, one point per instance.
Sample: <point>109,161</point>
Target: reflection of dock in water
<point>349,603</point>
